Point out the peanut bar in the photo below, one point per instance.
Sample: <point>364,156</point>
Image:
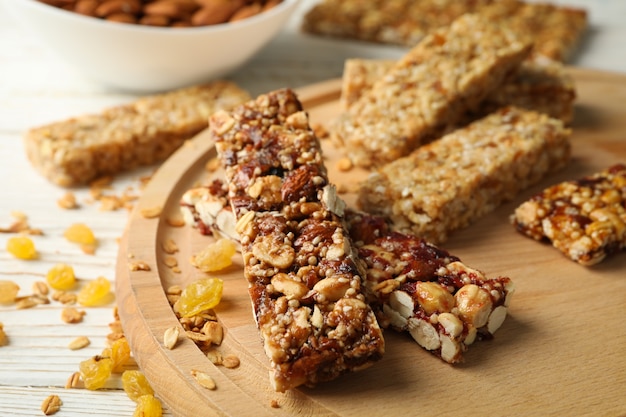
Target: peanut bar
<point>78,150</point>
<point>305,279</point>
<point>447,74</point>
<point>447,184</point>
<point>585,219</point>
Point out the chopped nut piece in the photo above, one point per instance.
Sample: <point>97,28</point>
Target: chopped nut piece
<point>74,381</point>
<point>51,404</point>
<point>170,261</point>
<point>170,337</point>
<point>151,212</point>
<point>175,221</point>
<point>214,356</point>
<point>64,297</point>
<point>4,340</point>
<point>212,165</point>
<point>139,266</point>
<point>274,403</point>
<point>204,379</point>
<point>214,331</point>
<point>68,201</point>
<point>79,343</point>
<point>344,164</point>
<point>230,361</point>
<point>72,315</point>
<point>27,302</point>
<point>40,288</point>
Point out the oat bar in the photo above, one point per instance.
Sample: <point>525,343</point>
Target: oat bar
<point>450,72</point>
<point>585,218</point>
<point>414,286</point>
<point>447,184</point>
<point>304,277</point>
<point>75,151</point>
<point>424,290</point>
<point>540,84</point>
<point>555,30</point>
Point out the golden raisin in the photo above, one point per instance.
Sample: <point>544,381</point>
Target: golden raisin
<point>119,352</point>
<point>200,295</point>
<point>21,247</point>
<point>95,371</point>
<point>148,406</point>
<point>8,292</point>
<point>80,233</point>
<point>61,277</point>
<point>215,256</point>
<point>136,385</point>
<point>94,292</point>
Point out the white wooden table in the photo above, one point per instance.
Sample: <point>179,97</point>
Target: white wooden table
<point>36,88</point>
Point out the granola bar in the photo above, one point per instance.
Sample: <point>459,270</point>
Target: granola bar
<point>413,286</point>
<point>540,84</point>
<point>450,72</point>
<point>75,151</point>
<point>304,277</point>
<point>447,184</point>
<point>555,30</point>
<point>424,290</point>
<point>585,218</point>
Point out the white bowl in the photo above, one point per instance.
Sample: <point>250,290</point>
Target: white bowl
<point>144,58</point>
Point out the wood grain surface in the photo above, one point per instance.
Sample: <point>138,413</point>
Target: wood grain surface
<point>561,351</point>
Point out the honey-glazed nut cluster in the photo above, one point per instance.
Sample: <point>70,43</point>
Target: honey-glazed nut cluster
<point>585,219</point>
<point>303,274</point>
<point>167,13</point>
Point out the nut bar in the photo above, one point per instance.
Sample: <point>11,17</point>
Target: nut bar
<point>555,30</point>
<point>447,184</point>
<point>75,151</point>
<point>304,277</point>
<point>540,84</point>
<point>450,72</point>
<point>585,218</point>
<point>422,289</point>
<point>414,286</point>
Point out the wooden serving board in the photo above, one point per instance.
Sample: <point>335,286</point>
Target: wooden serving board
<point>561,351</point>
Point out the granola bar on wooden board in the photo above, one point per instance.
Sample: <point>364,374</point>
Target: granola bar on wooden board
<point>555,30</point>
<point>413,286</point>
<point>448,183</point>
<point>304,277</point>
<point>585,218</point>
<point>78,150</point>
<point>447,74</point>
<point>540,84</point>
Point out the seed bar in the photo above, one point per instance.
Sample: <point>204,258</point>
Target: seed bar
<point>447,74</point>
<point>447,184</point>
<point>555,30</point>
<point>78,150</point>
<point>303,273</point>
<point>539,84</point>
<point>585,218</point>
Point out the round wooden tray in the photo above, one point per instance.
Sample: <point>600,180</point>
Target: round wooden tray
<point>563,347</point>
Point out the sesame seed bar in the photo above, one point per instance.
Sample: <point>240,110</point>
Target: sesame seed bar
<point>425,291</point>
<point>78,150</point>
<point>413,286</point>
<point>540,84</point>
<point>555,30</point>
<point>448,73</point>
<point>448,183</point>
<point>585,219</point>
<point>304,277</point>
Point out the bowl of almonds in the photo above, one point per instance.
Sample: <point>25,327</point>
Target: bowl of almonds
<point>153,45</point>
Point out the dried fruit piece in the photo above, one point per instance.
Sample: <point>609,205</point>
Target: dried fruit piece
<point>198,296</point>
<point>119,352</point>
<point>8,292</point>
<point>136,385</point>
<point>215,256</point>
<point>95,371</point>
<point>95,292</point>
<point>148,406</point>
<point>61,277</point>
<point>80,233</point>
<point>22,247</point>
